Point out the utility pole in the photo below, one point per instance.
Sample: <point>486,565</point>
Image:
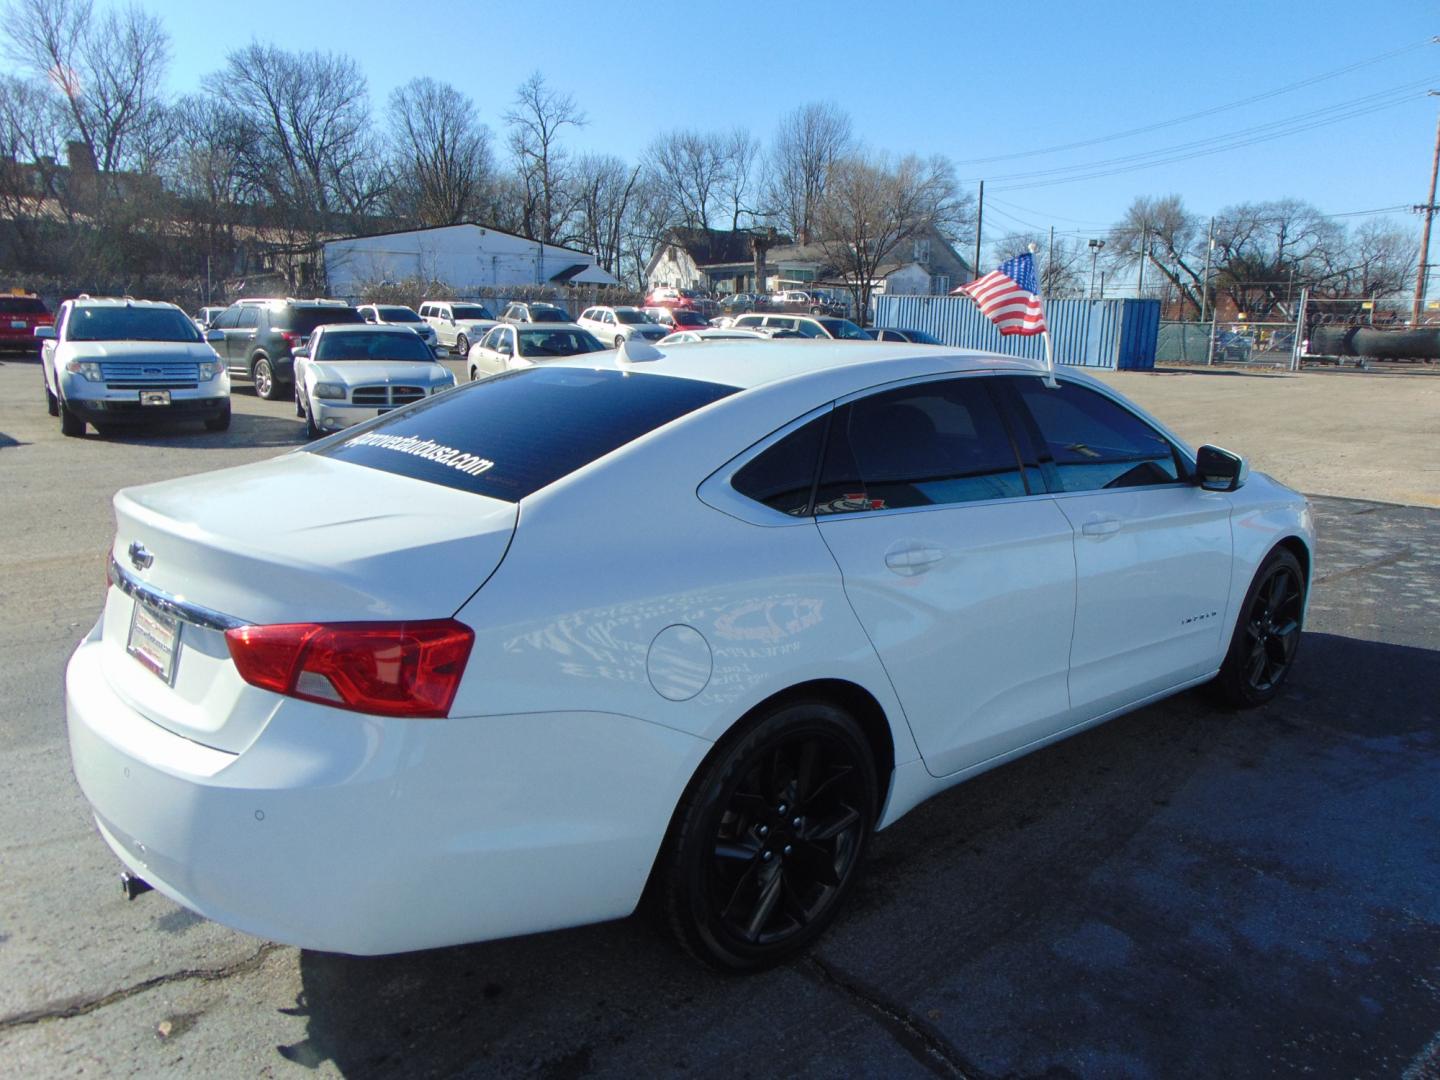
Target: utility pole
<point>1049,261</point>
<point>1205,280</point>
<point>1140,278</point>
<point>980,221</point>
<point>1429,211</point>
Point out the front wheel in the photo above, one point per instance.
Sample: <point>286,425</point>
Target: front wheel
<point>312,429</point>
<point>1267,633</point>
<point>768,839</point>
<point>619,340</point>
<point>474,373</point>
<point>70,423</point>
<point>462,346</point>
<point>52,403</point>
<point>220,422</point>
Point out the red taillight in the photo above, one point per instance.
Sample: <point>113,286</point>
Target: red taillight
<point>392,669</point>
<point>289,338</point>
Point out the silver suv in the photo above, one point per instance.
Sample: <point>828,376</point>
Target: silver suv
<point>114,362</point>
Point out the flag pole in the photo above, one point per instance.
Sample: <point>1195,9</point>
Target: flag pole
<point>1045,334</point>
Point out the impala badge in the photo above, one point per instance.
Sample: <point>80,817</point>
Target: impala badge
<point>140,556</point>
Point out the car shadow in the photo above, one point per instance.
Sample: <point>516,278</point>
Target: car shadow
<point>1270,373</point>
<point>1122,896</point>
<point>246,429</point>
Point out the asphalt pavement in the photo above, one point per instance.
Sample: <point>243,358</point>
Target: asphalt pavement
<point>1182,891</point>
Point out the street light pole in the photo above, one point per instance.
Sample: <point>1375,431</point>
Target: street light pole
<point>1095,246</point>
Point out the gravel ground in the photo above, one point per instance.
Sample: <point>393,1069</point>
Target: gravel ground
<point>1182,891</point>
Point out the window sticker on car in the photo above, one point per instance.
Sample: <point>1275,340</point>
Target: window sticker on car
<point>429,449</point>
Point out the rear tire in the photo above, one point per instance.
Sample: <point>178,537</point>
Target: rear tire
<point>619,340</point>
<point>474,373</point>
<point>768,839</point>
<point>70,424</point>
<point>219,423</point>
<point>1267,634</point>
<point>462,346</point>
<point>263,375</point>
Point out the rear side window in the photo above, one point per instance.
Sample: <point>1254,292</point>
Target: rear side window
<point>935,443</point>
<point>781,477</point>
<point>1093,442</point>
<point>512,434</point>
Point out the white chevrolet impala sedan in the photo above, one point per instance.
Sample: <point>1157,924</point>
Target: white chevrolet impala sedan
<point>695,623</point>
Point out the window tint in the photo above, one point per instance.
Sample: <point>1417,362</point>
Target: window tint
<point>249,317</point>
<point>130,324</point>
<point>373,345</point>
<point>939,442</point>
<point>782,476</point>
<point>302,320</point>
<point>512,434</point>
<point>1093,442</point>
<point>809,329</point>
<point>22,305</point>
<point>227,319</point>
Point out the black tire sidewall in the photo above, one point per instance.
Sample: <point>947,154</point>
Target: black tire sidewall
<point>687,901</point>
<point>1234,687</point>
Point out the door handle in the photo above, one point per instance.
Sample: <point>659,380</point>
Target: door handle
<point>910,557</point>
<point>1100,526</point>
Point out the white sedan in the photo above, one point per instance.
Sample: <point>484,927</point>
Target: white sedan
<point>524,344</point>
<point>356,371</point>
<point>697,622</point>
<point>686,337</point>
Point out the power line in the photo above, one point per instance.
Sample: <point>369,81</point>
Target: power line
<point>1340,110</point>
<point>1241,139</point>
<point>1213,110</point>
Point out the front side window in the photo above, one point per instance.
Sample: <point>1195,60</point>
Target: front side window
<point>1093,443</point>
<point>249,317</point>
<point>228,319</point>
<point>512,434</point>
<point>935,443</point>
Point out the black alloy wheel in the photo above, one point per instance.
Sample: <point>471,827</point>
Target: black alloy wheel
<point>769,839</point>
<point>1267,633</point>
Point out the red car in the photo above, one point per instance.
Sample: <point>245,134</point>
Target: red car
<point>20,314</point>
<point>682,299</point>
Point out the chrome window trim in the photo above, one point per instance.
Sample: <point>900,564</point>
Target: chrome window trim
<point>169,604</point>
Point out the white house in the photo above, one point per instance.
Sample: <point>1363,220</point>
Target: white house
<point>466,257</point>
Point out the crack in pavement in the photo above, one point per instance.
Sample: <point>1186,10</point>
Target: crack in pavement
<point>66,1008</point>
<point>1363,568</point>
<point>922,1042</point>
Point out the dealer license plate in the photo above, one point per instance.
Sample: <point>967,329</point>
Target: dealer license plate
<point>17,324</point>
<point>154,397</point>
<point>154,640</point>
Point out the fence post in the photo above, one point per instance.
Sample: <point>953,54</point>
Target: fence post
<point>1210,341</point>
<point>1296,345</point>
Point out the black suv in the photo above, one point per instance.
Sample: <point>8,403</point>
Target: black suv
<point>262,335</point>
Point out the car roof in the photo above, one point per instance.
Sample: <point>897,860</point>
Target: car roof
<point>529,327</point>
<point>364,327</point>
<point>119,301</point>
<point>857,364</point>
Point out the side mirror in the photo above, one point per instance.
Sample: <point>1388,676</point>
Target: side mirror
<point>1219,470</point>
<point>300,354</point>
<point>45,333</point>
<point>212,335</point>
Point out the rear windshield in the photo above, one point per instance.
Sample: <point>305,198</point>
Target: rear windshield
<point>129,324</point>
<point>632,318</point>
<point>398,314</point>
<point>302,320</point>
<point>540,313</point>
<point>22,305</point>
<point>539,343</point>
<point>512,434</point>
<point>470,311</point>
<point>373,345</point>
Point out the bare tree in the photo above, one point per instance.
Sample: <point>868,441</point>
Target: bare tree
<point>108,68</point>
<point>537,122</point>
<point>1267,251</point>
<point>808,142</point>
<point>688,168</point>
<point>1062,265</point>
<point>441,153</point>
<point>1171,239</point>
<point>603,189</point>
<point>32,130</point>
<point>737,194</point>
<point>870,208</point>
<point>1380,261</point>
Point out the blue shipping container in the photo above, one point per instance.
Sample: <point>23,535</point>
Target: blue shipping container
<point>1115,334</point>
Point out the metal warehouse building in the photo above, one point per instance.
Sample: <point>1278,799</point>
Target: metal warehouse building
<point>466,257</point>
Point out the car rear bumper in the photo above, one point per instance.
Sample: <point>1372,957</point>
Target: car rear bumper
<point>369,835</point>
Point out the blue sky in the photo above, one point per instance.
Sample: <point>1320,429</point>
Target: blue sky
<point>930,77</point>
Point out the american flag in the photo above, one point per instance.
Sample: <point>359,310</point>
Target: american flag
<point>1010,296</point>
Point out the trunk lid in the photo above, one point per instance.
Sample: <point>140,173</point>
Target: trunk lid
<point>300,538</point>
